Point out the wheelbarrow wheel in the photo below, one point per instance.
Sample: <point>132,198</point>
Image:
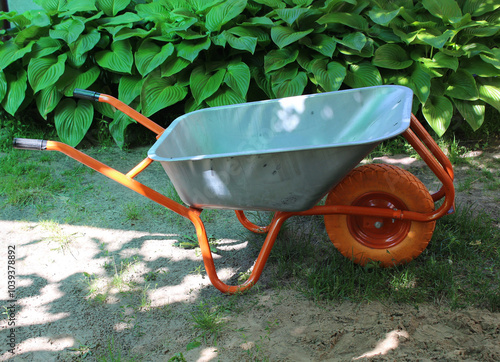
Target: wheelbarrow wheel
<point>370,238</point>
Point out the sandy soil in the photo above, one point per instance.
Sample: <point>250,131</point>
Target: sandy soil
<point>100,276</point>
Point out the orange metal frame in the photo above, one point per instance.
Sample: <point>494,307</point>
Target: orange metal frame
<point>416,135</point>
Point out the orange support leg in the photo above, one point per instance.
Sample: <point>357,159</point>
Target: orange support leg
<point>274,228</point>
<point>249,225</point>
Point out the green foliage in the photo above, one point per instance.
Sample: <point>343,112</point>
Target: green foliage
<point>157,53</point>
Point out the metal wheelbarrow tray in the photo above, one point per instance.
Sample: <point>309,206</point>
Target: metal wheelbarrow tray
<point>280,155</point>
<point>285,155</point>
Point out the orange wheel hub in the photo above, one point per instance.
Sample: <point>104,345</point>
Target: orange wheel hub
<point>376,232</point>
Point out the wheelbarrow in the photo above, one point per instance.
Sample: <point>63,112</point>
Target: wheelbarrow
<point>285,155</point>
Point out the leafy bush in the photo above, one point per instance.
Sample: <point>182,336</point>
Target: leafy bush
<point>156,53</point>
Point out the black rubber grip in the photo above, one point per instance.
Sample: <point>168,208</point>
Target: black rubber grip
<point>86,94</point>
<point>29,144</point>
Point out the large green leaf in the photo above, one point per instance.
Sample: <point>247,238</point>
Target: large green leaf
<point>291,87</point>
<point>283,36</point>
<point>420,83</point>
<point>190,49</point>
<point>51,6</point>
<point>322,43</point>
<point>435,38</point>
<point>119,59</point>
<point>81,80</point>
<point>123,19</point>
<point>438,111</point>
<point>262,21</point>
<point>3,85</point>
<point>223,13</point>
<point>223,97</point>
<point>45,71</point>
<point>391,56</point>
<point>484,30</point>
<point>75,61</point>
<point>286,73</point>
<point>45,46</point>
<point>73,120</point>
<point>351,20</point>
<point>112,7</point>
<point>173,65</point>
<point>385,34</point>
<point>336,5</point>
<point>489,91</point>
<point>328,75</point>
<point>129,88</point>
<point>356,41</point>
<point>382,16</point>
<point>154,12</point>
<point>260,34</point>
<point>473,49</point>
<point>150,56</point>
<point>47,99</point>
<point>242,42</point>
<point>68,30</point>
<point>31,32</point>
<point>478,67</point>
<point>290,15</point>
<point>16,91</point>
<point>480,7</point>
<point>85,43</point>
<point>126,33</point>
<point>262,80</point>
<point>461,85</point>
<point>473,112</point>
<point>237,78</point>
<point>114,30</point>
<point>200,6</point>
<point>158,93</point>
<point>204,83</point>
<point>74,6</point>
<point>363,75</point>
<point>441,60</point>
<point>404,35</point>
<point>302,2</point>
<point>106,109</point>
<point>10,52</point>
<point>118,126</point>
<point>277,59</point>
<point>273,4</point>
<point>444,9</point>
<point>492,57</point>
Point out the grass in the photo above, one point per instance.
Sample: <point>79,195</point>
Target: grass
<point>133,212</point>
<point>207,322</point>
<point>26,181</point>
<point>450,268</point>
<point>460,267</point>
<point>113,353</point>
<point>57,235</point>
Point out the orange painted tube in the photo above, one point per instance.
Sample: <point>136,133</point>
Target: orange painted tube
<point>249,225</point>
<point>447,190</point>
<point>119,177</point>
<point>427,140</point>
<point>275,226</point>
<point>140,167</point>
<point>129,111</point>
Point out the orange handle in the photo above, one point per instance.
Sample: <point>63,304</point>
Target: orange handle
<point>129,111</point>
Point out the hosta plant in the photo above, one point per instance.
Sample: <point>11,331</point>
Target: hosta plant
<point>202,53</point>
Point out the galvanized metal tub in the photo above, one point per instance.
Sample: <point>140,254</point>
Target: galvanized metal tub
<point>281,154</point>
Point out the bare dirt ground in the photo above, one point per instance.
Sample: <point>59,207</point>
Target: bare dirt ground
<point>99,276</point>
